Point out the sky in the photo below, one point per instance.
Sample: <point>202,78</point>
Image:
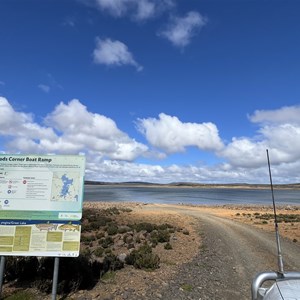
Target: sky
<point>154,90</point>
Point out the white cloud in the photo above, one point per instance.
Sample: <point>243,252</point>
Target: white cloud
<point>71,129</point>
<point>145,9</point>
<point>113,53</point>
<point>181,30</point>
<point>287,114</point>
<point>18,124</point>
<point>172,135</point>
<point>115,7</point>
<point>118,171</point>
<point>279,132</point>
<point>92,131</point>
<point>112,155</point>
<point>139,10</point>
<point>44,88</point>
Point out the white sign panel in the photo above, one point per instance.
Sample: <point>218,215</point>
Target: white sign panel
<point>41,187</point>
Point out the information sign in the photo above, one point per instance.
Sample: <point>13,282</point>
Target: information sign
<point>40,187</point>
<point>39,238</point>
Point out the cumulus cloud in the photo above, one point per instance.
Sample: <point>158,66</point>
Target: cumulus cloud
<point>71,128</point>
<point>139,10</point>
<point>18,124</point>
<point>287,114</point>
<point>113,156</point>
<point>118,171</point>
<point>45,88</point>
<point>180,30</point>
<point>279,132</point>
<point>171,135</point>
<point>113,53</point>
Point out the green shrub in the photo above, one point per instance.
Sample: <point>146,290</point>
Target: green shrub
<point>161,236</point>
<point>101,222</point>
<point>123,229</point>
<point>112,229</point>
<point>86,239</point>
<point>168,246</point>
<point>112,263</point>
<point>107,251</point>
<point>112,211</point>
<point>187,287</point>
<point>144,226</point>
<point>164,226</point>
<point>100,235</point>
<point>22,295</point>
<point>106,242</point>
<point>143,258</point>
<point>126,209</point>
<point>154,241</point>
<point>99,251</point>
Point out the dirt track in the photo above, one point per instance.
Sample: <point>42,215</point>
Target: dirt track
<point>230,256</point>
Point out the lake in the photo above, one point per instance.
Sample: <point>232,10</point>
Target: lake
<point>188,195</point>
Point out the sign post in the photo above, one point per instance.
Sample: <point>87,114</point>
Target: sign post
<point>55,278</point>
<point>2,265</point>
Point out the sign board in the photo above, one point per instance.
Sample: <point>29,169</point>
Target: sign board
<point>39,238</point>
<point>40,187</point>
<point>41,204</point>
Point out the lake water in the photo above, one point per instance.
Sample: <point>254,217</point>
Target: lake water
<point>205,196</point>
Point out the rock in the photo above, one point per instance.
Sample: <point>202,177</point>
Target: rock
<point>122,257</point>
<point>130,246</point>
<point>128,239</point>
<point>119,244</point>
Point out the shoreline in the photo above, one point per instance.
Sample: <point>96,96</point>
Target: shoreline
<point>293,186</point>
<point>238,206</point>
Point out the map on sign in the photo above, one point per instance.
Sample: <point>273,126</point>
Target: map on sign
<point>41,187</point>
<point>65,187</point>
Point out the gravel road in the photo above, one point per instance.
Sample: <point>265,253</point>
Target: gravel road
<point>230,256</point>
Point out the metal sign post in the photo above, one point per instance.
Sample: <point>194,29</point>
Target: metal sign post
<point>2,265</point>
<point>55,278</point>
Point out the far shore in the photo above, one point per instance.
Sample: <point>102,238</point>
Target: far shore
<point>294,186</point>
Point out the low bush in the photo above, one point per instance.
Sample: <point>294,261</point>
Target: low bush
<point>168,246</point>
<point>112,229</point>
<point>106,242</point>
<point>98,252</point>
<point>144,226</point>
<point>143,258</point>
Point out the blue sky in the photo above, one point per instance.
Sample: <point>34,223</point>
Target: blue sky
<point>152,90</point>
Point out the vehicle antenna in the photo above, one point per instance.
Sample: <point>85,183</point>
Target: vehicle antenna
<point>280,261</point>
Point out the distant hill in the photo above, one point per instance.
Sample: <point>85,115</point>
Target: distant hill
<point>197,185</point>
